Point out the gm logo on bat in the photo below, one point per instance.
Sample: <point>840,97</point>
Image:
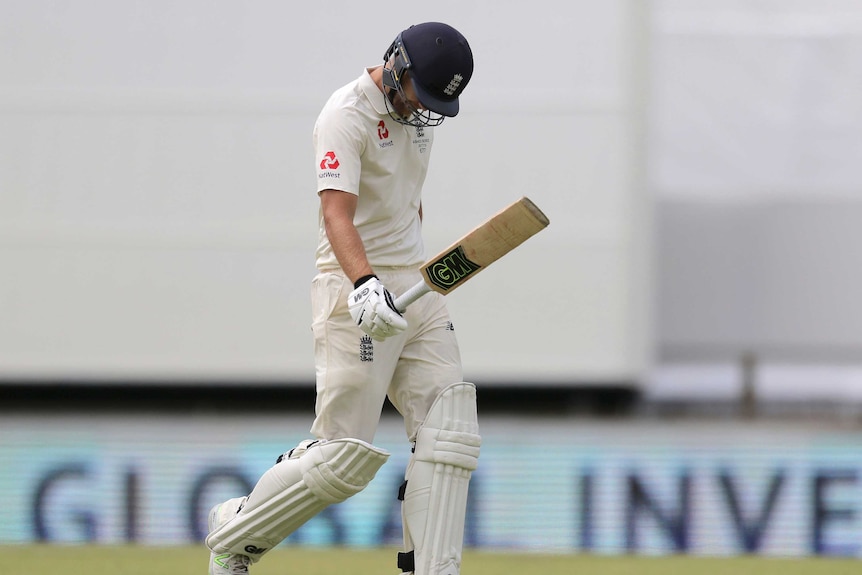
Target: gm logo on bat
<point>451,269</point>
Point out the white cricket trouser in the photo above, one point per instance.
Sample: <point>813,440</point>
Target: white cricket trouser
<point>356,373</point>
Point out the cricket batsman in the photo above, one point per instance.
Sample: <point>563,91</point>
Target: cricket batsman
<point>372,143</point>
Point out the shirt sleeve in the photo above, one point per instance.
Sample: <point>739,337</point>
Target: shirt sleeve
<point>338,146</point>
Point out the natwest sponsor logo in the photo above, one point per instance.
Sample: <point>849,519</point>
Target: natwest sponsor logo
<point>329,161</point>
<point>383,136</point>
<point>382,130</point>
<point>328,165</point>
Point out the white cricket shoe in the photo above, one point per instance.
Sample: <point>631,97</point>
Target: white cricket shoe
<point>226,563</point>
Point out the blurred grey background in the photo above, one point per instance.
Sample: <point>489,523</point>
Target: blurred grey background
<point>700,161</point>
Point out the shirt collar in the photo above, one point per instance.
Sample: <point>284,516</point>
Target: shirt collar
<point>373,93</point>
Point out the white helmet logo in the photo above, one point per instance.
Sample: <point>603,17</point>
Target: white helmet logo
<point>453,84</point>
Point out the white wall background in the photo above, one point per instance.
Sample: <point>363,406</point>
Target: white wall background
<point>157,214</point>
<point>755,163</point>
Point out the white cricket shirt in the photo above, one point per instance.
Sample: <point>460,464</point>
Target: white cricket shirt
<point>360,149</point>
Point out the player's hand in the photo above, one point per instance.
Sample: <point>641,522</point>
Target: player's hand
<point>372,307</point>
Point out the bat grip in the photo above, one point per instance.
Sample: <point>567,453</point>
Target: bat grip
<point>411,295</point>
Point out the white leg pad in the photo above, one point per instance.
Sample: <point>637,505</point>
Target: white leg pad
<point>435,496</point>
<point>295,490</point>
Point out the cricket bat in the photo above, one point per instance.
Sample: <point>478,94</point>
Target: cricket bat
<point>488,242</point>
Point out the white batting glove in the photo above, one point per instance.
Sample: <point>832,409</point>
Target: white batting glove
<point>372,307</point>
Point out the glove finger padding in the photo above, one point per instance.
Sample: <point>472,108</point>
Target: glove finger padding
<point>387,322</point>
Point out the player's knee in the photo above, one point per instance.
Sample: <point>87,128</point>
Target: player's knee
<point>450,433</point>
<point>338,469</point>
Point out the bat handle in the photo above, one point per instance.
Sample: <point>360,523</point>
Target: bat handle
<point>411,295</point>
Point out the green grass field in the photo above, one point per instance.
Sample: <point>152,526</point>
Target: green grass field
<point>91,560</point>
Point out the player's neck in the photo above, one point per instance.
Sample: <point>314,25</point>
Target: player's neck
<point>376,74</point>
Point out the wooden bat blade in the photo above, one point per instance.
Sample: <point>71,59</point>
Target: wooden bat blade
<point>485,244</point>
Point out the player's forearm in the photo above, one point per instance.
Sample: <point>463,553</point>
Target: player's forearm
<point>348,249</point>
<point>339,209</point>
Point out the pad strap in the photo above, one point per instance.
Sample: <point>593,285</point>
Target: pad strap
<point>406,562</point>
